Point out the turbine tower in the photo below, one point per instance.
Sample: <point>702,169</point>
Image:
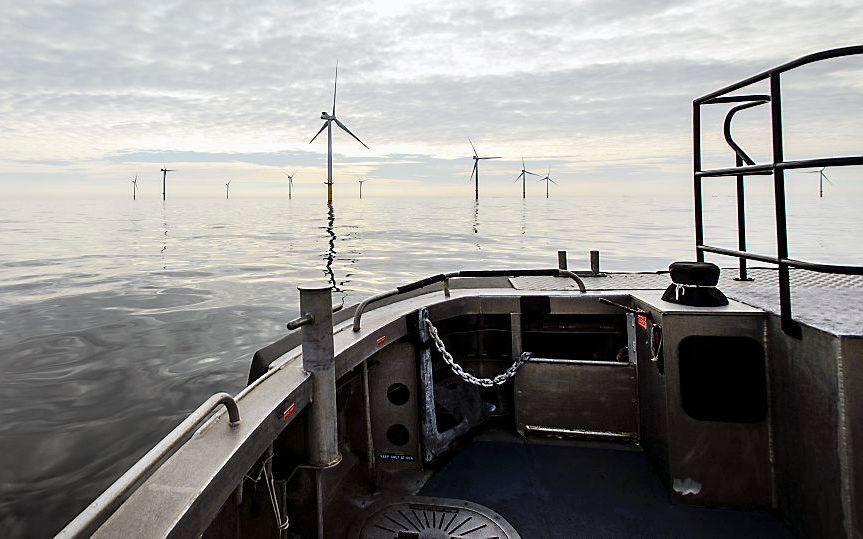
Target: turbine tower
<point>475,171</point>
<point>328,125</point>
<point>821,178</point>
<point>361,187</point>
<point>165,172</point>
<point>227,189</point>
<point>548,179</point>
<point>135,187</point>
<point>523,178</point>
<point>290,182</point>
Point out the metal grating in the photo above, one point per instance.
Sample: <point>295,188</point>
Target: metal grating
<point>826,301</point>
<point>432,518</point>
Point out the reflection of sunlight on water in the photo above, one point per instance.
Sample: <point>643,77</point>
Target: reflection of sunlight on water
<point>108,335</point>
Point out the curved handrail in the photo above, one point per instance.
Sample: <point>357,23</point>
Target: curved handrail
<point>104,506</point>
<point>445,277</point>
<point>726,129</point>
<point>745,166</point>
<point>764,75</point>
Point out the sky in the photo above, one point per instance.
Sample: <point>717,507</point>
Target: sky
<point>599,92</point>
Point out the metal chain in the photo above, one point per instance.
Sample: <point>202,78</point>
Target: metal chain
<point>468,377</point>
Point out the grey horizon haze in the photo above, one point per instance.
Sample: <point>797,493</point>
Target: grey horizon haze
<point>599,91</point>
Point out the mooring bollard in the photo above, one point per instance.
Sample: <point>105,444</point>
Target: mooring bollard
<point>561,260</point>
<point>319,360</point>
<point>594,262</point>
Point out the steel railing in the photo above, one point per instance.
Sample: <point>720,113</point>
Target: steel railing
<point>89,520</point>
<point>746,166</point>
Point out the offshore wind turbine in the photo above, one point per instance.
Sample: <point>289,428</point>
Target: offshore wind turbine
<point>328,125</point>
<point>227,189</point>
<point>135,187</point>
<point>523,178</point>
<point>361,186</point>
<point>475,171</point>
<point>548,179</point>
<point>821,178</point>
<point>290,182</point>
<point>165,172</point>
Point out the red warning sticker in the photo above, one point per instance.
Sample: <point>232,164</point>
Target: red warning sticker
<point>381,340</point>
<point>642,321</point>
<point>290,411</point>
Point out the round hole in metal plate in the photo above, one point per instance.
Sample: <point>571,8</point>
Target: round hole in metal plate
<point>398,434</point>
<point>398,393</point>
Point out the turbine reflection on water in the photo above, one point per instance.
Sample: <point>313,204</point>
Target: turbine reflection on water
<point>330,255</point>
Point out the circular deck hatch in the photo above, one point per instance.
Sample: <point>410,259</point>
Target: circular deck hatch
<point>431,518</point>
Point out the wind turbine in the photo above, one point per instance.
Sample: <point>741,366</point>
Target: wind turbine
<point>548,179</point>
<point>361,187</point>
<point>135,187</point>
<point>821,178</point>
<point>475,171</point>
<point>227,189</point>
<point>523,178</point>
<point>290,182</point>
<point>165,172</point>
<point>328,125</point>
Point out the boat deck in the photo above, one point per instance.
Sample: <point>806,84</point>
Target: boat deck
<point>828,302</point>
<point>557,490</point>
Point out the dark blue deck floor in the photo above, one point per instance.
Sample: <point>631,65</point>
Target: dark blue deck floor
<point>562,491</point>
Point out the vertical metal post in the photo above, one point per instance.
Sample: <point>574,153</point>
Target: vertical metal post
<point>561,260</point>
<point>696,168</point>
<point>788,324</point>
<point>330,161</point>
<point>319,360</point>
<point>594,262</point>
<point>741,220</point>
<point>370,442</point>
<point>477,180</point>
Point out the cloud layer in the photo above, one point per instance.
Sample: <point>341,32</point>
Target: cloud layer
<point>92,91</point>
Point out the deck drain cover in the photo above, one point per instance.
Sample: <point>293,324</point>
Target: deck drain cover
<point>431,518</point>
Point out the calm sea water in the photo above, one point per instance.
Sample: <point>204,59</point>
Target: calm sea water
<point>118,317</point>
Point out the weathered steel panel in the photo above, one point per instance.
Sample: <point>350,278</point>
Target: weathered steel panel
<point>714,463</point>
<point>394,399</point>
<point>852,387</point>
<point>805,395</point>
<point>577,396</point>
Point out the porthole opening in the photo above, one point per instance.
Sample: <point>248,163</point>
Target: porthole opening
<point>398,434</point>
<point>398,393</point>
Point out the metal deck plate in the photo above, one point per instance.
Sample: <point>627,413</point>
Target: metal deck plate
<point>828,302</point>
<point>431,518</point>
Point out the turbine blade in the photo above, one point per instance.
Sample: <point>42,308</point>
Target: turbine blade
<point>531,173</point>
<point>319,132</point>
<point>522,163</point>
<point>517,178</point>
<point>472,171</point>
<point>828,179</point>
<point>472,146</point>
<point>348,131</point>
<point>552,181</point>
<point>335,87</point>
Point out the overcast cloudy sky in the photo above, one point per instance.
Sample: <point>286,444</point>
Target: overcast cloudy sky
<point>93,92</point>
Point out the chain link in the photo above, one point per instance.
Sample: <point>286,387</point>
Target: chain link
<point>468,377</point>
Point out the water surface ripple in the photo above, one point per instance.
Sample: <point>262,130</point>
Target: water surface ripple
<point>117,318</point>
